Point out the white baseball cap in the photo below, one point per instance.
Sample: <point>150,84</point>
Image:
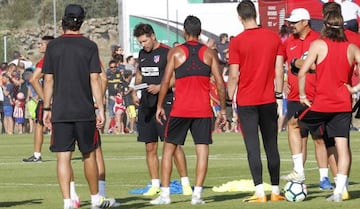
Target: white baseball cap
<point>298,14</point>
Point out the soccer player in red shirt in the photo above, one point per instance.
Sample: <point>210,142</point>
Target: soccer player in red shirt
<point>330,110</point>
<point>192,64</point>
<point>256,58</point>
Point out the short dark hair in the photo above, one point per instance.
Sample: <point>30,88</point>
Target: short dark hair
<point>112,62</point>
<point>129,58</point>
<point>223,35</point>
<point>118,57</point>
<point>143,29</point>
<point>69,24</point>
<point>192,26</point>
<point>246,10</point>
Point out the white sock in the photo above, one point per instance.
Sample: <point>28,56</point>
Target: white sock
<point>259,190</point>
<point>95,199</point>
<point>298,163</point>
<point>346,184</point>
<point>67,203</point>
<point>323,173</point>
<point>340,183</point>
<point>155,183</point>
<point>197,191</point>
<point>73,194</point>
<point>185,180</point>
<point>37,154</point>
<point>275,189</point>
<point>165,191</point>
<point>102,188</point>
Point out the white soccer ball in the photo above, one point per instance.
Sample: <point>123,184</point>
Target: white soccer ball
<point>295,191</point>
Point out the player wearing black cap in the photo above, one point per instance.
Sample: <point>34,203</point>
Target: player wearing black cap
<point>72,79</point>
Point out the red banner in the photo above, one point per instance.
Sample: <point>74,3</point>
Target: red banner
<point>272,13</point>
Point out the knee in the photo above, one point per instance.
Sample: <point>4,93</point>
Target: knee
<point>151,147</point>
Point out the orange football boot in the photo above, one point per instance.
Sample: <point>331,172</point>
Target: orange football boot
<point>255,198</point>
<point>276,197</point>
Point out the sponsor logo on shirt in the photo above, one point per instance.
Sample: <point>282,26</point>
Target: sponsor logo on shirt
<point>292,48</point>
<point>150,71</point>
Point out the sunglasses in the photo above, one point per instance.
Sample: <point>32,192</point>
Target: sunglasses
<point>293,23</point>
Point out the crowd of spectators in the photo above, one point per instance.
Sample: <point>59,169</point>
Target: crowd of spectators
<point>17,97</point>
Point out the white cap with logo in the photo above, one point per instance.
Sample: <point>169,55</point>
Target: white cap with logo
<point>298,14</point>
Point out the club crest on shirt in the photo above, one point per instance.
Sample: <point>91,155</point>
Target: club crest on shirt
<point>157,58</point>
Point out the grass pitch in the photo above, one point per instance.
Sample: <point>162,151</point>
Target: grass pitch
<point>34,185</point>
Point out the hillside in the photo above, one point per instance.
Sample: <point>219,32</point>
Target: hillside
<point>24,22</point>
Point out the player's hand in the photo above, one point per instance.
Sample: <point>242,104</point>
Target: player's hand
<point>306,102</point>
<point>47,119</point>
<point>100,120</point>
<point>160,115</point>
<point>286,88</point>
<point>153,88</point>
<point>222,119</point>
<point>352,90</point>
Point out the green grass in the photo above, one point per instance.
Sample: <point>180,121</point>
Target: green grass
<point>31,186</point>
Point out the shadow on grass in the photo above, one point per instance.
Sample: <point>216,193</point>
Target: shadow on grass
<point>226,197</point>
<point>125,202</point>
<point>315,191</point>
<point>20,203</point>
<point>143,202</point>
<point>354,194</point>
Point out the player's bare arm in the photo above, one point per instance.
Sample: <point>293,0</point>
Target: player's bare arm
<point>279,74</point>
<point>353,55</point>
<point>233,79</point>
<point>96,89</point>
<point>212,59</point>
<point>48,92</point>
<point>165,83</point>
<point>138,80</point>
<point>313,56</point>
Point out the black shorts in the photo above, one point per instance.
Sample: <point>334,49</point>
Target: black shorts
<point>39,113</point>
<point>335,124</point>
<point>149,130</point>
<point>329,141</point>
<point>293,108</point>
<point>65,134</point>
<point>177,129</point>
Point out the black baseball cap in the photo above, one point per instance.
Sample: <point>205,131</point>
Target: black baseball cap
<point>75,12</point>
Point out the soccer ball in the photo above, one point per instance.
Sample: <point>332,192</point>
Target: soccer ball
<point>295,191</point>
